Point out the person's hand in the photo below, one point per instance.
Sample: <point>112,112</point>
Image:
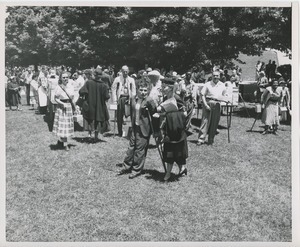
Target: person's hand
<point>262,106</point>
<point>155,115</point>
<point>207,107</point>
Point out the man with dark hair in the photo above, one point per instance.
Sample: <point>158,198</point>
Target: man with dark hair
<point>142,110</point>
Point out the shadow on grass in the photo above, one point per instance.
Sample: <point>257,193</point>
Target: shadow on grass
<point>245,112</point>
<point>254,131</point>
<point>87,140</point>
<point>55,147</point>
<point>110,134</point>
<point>159,176</point>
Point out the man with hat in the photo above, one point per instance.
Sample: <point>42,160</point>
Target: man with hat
<point>97,94</point>
<point>123,90</point>
<point>211,92</point>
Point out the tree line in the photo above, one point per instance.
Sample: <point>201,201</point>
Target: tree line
<point>181,37</point>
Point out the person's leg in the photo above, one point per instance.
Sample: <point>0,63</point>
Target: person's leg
<point>214,121</point>
<point>65,143</point>
<point>168,172</point>
<point>140,152</point>
<point>266,131</point>
<point>120,114</point>
<point>28,93</point>
<point>203,130</point>
<point>128,160</point>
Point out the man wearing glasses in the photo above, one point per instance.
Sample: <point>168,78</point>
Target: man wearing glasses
<point>123,90</point>
<point>211,93</point>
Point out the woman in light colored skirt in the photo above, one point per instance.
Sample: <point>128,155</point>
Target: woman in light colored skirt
<point>270,102</point>
<point>63,126</point>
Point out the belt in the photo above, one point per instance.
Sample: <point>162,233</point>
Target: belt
<point>124,95</point>
<point>65,100</point>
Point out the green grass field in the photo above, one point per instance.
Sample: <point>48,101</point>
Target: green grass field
<point>237,191</point>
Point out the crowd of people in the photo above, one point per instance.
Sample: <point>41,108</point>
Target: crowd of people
<point>159,103</point>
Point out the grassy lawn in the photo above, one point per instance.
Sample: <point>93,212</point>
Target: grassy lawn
<point>238,191</point>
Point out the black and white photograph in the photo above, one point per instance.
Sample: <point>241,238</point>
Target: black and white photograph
<point>148,123</point>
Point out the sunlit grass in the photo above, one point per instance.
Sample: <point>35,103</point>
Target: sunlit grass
<point>237,191</point>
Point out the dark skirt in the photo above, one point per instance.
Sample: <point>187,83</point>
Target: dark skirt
<point>175,152</point>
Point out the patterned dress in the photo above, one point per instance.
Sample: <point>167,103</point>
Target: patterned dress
<point>271,99</point>
<point>63,125</point>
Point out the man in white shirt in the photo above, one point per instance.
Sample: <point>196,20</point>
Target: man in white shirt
<point>211,92</point>
<point>123,90</point>
<point>27,80</point>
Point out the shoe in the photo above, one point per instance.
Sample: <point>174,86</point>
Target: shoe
<point>59,144</point>
<point>134,175</point>
<point>67,148</point>
<point>125,169</point>
<point>200,142</point>
<point>183,172</point>
<point>217,131</point>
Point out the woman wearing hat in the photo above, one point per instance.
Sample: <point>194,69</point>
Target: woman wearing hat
<point>270,101</point>
<point>63,126</point>
<point>175,147</point>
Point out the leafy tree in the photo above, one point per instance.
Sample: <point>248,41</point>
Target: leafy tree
<point>183,36</point>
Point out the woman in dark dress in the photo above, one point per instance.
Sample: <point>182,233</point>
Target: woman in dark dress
<point>13,93</point>
<point>175,147</point>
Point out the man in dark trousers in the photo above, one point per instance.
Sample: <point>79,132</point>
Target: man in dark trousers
<point>142,110</point>
<point>96,92</point>
<point>123,90</point>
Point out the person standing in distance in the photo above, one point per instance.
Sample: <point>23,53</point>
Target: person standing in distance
<point>211,112</point>
<point>123,90</point>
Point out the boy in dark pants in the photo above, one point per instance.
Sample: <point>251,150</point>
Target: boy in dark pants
<point>141,130</point>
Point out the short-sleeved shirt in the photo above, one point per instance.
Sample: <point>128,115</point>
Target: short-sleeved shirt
<point>60,94</point>
<point>210,89</point>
